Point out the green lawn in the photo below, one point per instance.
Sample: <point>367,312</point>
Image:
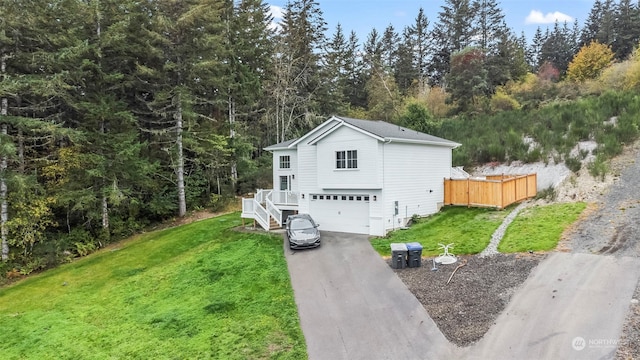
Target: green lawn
<point>199,291</point>
<point>470,230</point>
<point>539,228</point>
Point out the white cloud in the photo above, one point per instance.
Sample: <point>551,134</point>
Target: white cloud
<point>537,17</point>
<point>277,13</point>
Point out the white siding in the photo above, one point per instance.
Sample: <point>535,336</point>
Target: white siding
<point>307,175</point>
<point>293,170</point>
<point>414,177</point>
<point>368,174</point>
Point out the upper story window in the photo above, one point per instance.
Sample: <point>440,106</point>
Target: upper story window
<point>347,159</point>
<point>285,162</point>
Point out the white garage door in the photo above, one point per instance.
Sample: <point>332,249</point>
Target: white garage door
<point>341,212</point>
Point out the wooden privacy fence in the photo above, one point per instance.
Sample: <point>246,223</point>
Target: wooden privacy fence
<point>497,191</point>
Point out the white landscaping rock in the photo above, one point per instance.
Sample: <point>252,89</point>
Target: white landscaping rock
<point>492,248</point>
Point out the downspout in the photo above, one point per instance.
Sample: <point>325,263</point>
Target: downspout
<point>382,193</point>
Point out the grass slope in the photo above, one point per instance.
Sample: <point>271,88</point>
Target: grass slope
<point>539,228</point>
<point>196,291</point>
<point>470,230</point>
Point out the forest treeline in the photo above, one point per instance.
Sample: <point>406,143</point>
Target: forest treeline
<point>115,114</point>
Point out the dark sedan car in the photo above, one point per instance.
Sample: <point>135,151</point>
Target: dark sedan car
<point>302,232</point>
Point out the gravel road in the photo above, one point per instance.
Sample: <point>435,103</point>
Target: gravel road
<point>611,226</point>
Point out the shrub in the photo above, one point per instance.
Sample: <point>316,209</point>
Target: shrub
<point>548,72</point>
<point>501,101</point>
<point>613,77</point>
<point>598,168</point>
<point>436,101</point>
<point>548,194</point>
<point>632,75</point>
<point>573,164</point>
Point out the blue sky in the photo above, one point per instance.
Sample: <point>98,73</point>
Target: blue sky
<point>362,15</point>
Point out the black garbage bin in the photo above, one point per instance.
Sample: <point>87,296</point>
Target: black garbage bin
<point>398,255</point>
<point>414,254</point>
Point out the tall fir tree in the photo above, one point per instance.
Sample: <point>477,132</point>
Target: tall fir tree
<point>247,40</point>
<point>297,86</point>
<point>626,28</point>
<point>451,33</point>
<point>184,73</point>
<point>419,41</point>
<point>592,25</point>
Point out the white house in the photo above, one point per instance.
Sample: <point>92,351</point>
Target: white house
<point>355,176</point>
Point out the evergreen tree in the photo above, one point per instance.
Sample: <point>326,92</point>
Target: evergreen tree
<point>337,58</point>
<point>405,73</point>
<point>558,48</point>
<point>606,30</point>
<point>535,51</point>
<point>373,48</point>
<point>626,28</point>
<point>297,84</point>
<point>113,167</point>
<point>356,76</point>
<point>184,74</point>
<point>248,48</point>
<point>452,32</point>
<point>389,43</point>
<point>31,79</point>
<point>420,42</point>
<point>489,24</point>
<point>507,62</point>
<point>592,25</point>
<point>468,79</point>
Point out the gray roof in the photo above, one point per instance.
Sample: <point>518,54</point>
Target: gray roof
<point>282,145</point>
<point>390,131</point>
<point>381,129</point>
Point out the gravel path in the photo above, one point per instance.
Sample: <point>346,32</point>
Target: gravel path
<point>492,248</point>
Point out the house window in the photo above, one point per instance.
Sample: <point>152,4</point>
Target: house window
<point>347,159</point>
<point>285,162</point>
<point>284,183</point>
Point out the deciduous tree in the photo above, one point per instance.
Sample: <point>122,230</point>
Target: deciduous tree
<point>590,61</point>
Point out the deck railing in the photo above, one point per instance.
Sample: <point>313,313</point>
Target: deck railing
<point>280,197</point>
<point>275,213</point>
<point>254,209</point>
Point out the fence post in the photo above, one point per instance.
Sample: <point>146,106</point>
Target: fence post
<point>468,192</point>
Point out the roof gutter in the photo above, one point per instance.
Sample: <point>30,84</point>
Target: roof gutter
<point>452,144</point>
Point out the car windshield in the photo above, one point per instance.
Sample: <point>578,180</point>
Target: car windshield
<point>301,224</point>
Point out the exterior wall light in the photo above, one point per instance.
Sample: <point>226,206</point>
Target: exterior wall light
<point>375,198</point>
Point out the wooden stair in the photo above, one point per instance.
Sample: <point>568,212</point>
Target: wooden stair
<point>273,225</point>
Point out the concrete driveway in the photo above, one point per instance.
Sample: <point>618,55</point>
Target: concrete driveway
<point>572,306</point>
<point>352,306</point>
